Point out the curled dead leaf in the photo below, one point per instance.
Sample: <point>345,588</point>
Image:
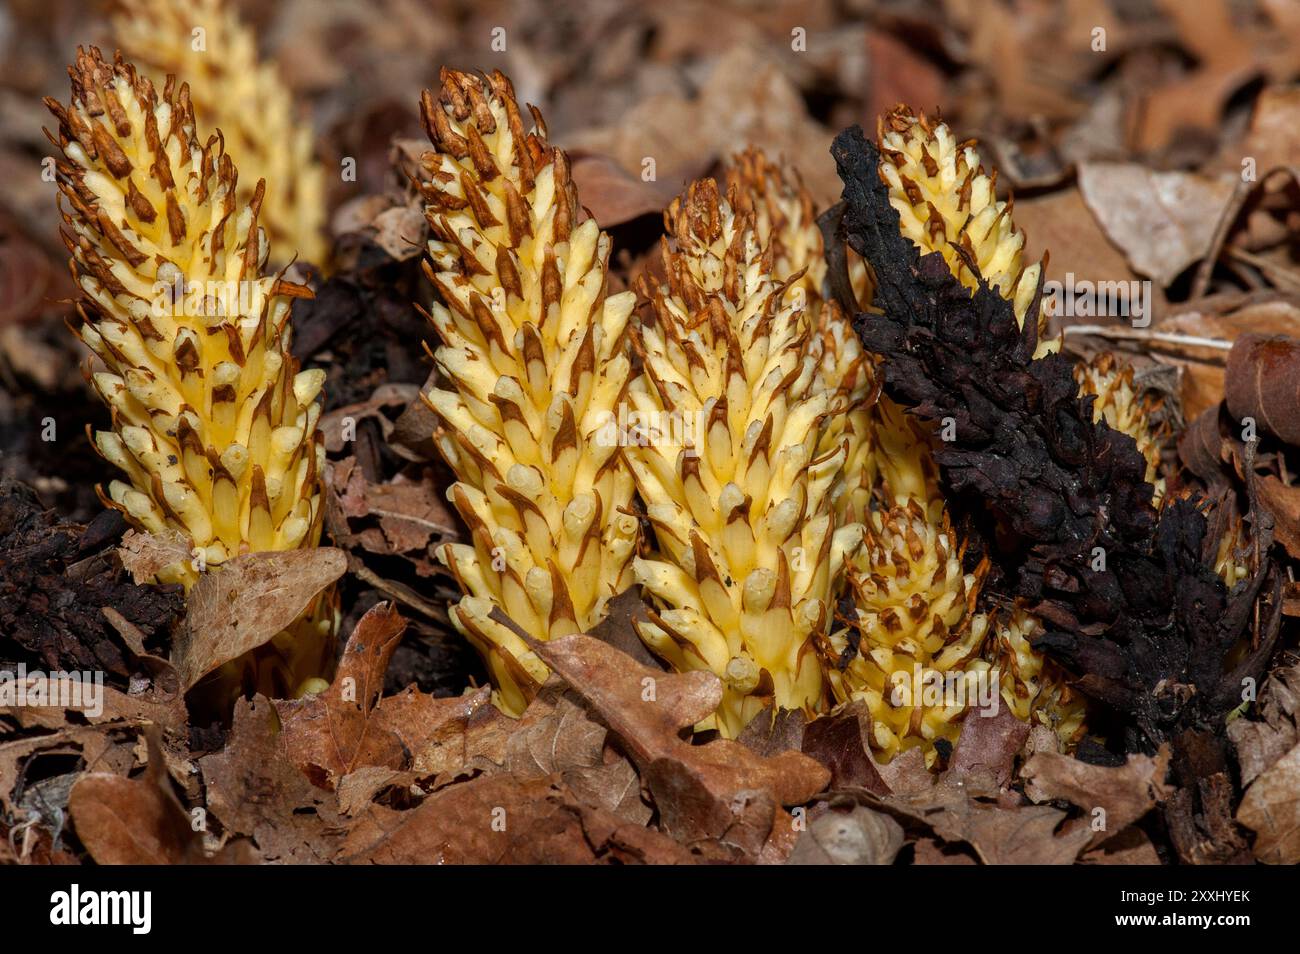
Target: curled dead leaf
<point>243,604</point>
<point>348,726</point>
<point>1123,793</point>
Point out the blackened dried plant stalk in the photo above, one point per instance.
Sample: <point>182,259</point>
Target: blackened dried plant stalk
<point>1128,601</point>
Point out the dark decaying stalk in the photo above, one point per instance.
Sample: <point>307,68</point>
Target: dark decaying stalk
<point>1130,605</point>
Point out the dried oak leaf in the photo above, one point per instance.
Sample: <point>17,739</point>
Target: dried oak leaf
<point>1263,382</point>
<point>1124,792</point>
<point>999,831</point>
<point>717,791</point>
<point>244,603</point>
<point>837,741</point>
<point>133,821</point>
<point>254,790</point>
<point>349,726</point>
<point>555,736</point>
<point>503,819</point>
<point>1260,743</point>
<point>1271,809</point>
<point>1164,221</point>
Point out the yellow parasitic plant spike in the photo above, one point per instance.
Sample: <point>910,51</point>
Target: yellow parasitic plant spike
<point>916,627</point>
<point>912,599</point>
<point>234,91</point>
<point>750,548</point>
<point>536,360</point>
<point>785,221</point>
<point>1034,687</point>
<point>1124,409</point>
<point>213,425</point>
<point>945,201</point>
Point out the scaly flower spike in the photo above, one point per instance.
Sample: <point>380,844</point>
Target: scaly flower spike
<point>784,220</point>
<point>750,549</point>
<point>212,423</point>
<point>535,353</point>
<point>235,91</point>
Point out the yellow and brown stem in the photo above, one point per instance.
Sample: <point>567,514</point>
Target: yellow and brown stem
<point>535,357</point>
<point>213,424</point>
<point>750,548</point>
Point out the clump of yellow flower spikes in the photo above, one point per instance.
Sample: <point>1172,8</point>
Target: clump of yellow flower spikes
<point>912,558</point>
<point>750,547</point>
<point>913,602</point>
<point>536,356</point>
<point>212,423</point>
<point>205,43</point>
<point>785,221</point>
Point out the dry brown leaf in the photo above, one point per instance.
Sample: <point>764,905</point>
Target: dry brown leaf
<point>838,741</point>
<point>502,819</point>
<point>1124,793</point>
<point>556,737</point>
<point>133,821</point>
<point>144,554</point>
<point>254,790</point>
<point>348,726</point>
<point>745,100</point>
<point>1062,224</point>
<point>334,424</point>
<point>129,821</point>
<point>1204,368</point>
<point>720,790</point>
<point>97,705</point>
<point>618,628</point>
<point>243,604</point>
<point>988,746</point>
<point>611,194</point>
<point>1163,221</point>
<point>1271,809</point>
<point>1274,136</point>
<point>771,733</point>
<point>1226,62</point>
<point>1283,502</point>
<point>999,833</point>
<point>1260,743</point>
